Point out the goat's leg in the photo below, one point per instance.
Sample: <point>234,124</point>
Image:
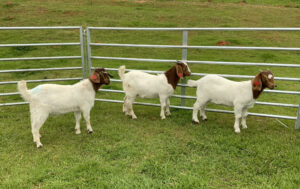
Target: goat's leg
<point>238,115</point>
<point>86,114</point>
<point>130,101</point>
<point>195,112</point>
<point>125,109</point>
<point>244,115</point>
<point>77,118</point>
<point>163,105</point>
<point>38,118</point>
<point>202,111</point>
<point>168,113</point>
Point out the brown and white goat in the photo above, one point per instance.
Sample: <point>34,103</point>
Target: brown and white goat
<point>241,95</point>
<point>59,99</point>
<point>144,85</point>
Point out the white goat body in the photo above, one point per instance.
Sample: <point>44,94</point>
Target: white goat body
<point>218,90</point>
<point>58,99</point>
<point>144,85</point>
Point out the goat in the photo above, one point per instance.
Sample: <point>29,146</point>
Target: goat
<point>49,99</point>
<point>144,85</point>
<point>242,95</point>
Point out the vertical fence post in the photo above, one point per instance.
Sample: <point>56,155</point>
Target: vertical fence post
<point>298,117</point>
<point>89,51</point>
<point>184,57</point>
<point>82,52</point>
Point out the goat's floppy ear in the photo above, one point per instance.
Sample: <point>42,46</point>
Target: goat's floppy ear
<point>95,78</point>
<point>257,82</point>
<point>179,71</point>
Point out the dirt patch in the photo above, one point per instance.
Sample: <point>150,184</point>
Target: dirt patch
<point>223,43</point>
<point>9,4</point>
<point>142,1</point>
<point>42,10</point>
<point>72,13</point>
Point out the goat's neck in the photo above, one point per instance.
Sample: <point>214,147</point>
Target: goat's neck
<point>172,77</point>
<point>256,93</point>
<point>96,86</point>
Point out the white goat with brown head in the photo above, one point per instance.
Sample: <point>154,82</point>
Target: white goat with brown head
<point>241,95</point>
<point>144,85</point>
<point>49,99</point>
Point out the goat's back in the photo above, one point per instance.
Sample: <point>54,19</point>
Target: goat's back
<point>145,85</point>
<point>62,98</point>
<point>220,90</point>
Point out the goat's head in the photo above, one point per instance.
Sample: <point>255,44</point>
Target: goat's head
<point>262,80</point>
<point>182,69</point>
<point>100,76</point>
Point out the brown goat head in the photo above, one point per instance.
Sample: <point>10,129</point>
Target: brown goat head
<point>100,76</point>
<point>182,69</point>
<point>265,79</point>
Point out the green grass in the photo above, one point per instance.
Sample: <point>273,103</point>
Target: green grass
<point>149,152</point>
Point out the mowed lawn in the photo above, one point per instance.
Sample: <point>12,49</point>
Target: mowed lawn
<point>150,152</point>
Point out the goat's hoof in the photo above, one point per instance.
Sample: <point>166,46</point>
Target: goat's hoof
<point>90,131</point>
<point>237,131</point>
<point>133,117</point>
<point>78,132</point>
<point>39,145</point>
<point>168,113</point>
<point>162,118</point>
<point>205,119</point>
<point>244,126</point>
<point>195,122</point>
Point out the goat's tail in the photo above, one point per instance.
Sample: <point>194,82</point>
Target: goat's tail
<point>22,88</point>
<point>192,83</point>
<point>122,72</point>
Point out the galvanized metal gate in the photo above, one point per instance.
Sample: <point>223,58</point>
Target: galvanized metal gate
<point>185,48</point>
<point>79,43</point>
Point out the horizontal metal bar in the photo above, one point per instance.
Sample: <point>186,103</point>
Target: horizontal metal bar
<point>14,103</point>
<point>9,94</point>
<point>193,97</point>
<point>38,44</point>
<point>193,29</point>
<point>199,62</point>
<point>247,76</point>
<point>40,28</point>
<point>209,110</point>
<point>179,96</point>
<point>277,104</point>
<point>203,74</point>
<point>184,85</point>
<point>196,47</point>
<point>39,69</point>
<point>40,58</point>
<point>41,80</point>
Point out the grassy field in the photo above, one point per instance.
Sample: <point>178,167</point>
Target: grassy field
<point>149,152</point>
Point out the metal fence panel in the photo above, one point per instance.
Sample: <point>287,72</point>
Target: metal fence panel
<point>82,55</point>
<point>184,48</point>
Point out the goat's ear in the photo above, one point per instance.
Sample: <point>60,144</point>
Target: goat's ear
<point>179,71</point>
<point>257,82</point>
<point>95,78</point>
